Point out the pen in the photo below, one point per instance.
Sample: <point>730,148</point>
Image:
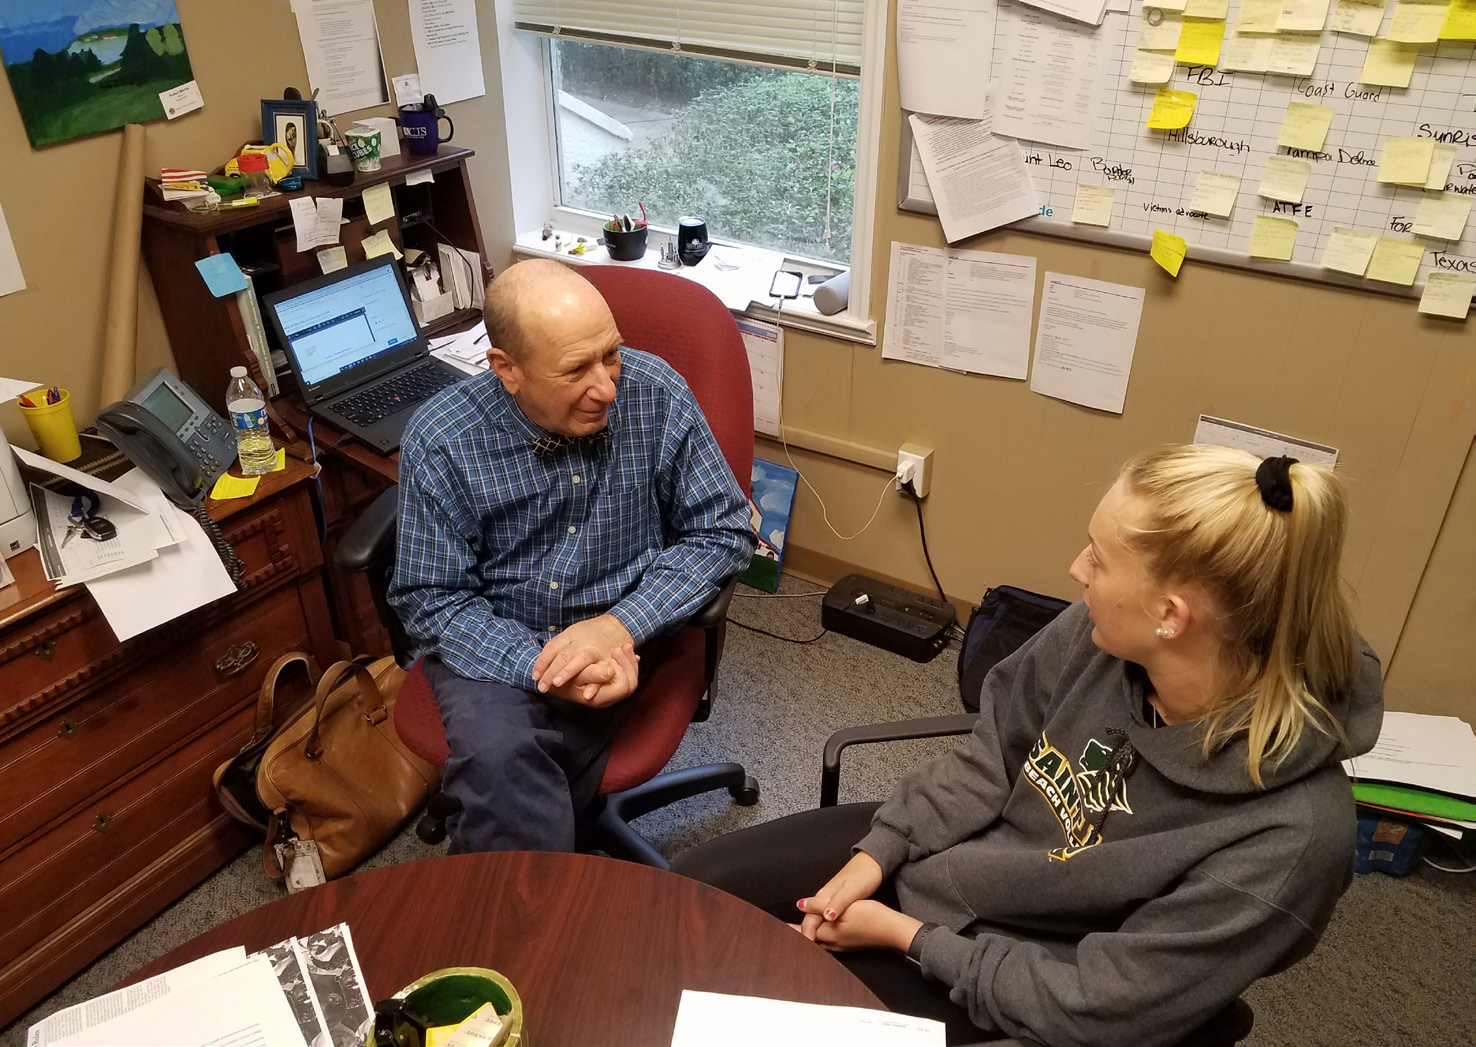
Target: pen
<point>26,401</point>
<point>53,396</point>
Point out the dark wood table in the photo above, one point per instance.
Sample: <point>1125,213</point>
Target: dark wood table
<point>599,950</point>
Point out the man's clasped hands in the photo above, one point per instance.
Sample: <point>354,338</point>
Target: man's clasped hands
<point>592,662</point>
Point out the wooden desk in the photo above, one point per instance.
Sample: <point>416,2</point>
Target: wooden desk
<point>599,950</point>
<point>107,813</point>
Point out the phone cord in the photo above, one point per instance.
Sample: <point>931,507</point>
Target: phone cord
<point>233,563</point>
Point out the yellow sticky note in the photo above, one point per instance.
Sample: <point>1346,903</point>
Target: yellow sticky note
<point>1442,215</point>
<point>1356,19</point>
<point>1273,237</point>
<point>1448,294</point>
<point>1440,165</point>
<point>1171,109</point>
<point>1389,64</point>
<point>229,486</point>
<point>1302,16</point>
<point>380,243</point>
<point>1206,8</point>
<point>1416,23</point>
<point>1199,41</point>
<point>1348,250</point>
<point>1294,54</point>
<point>1215,193</point>
<point>1093,205</point>
<point>1305,126</point>
<point>1160,35</point>
<point>281,462</point>
<point>1284,178</point>
<point>1460,21</point>
<point>1406,161</point>
<point>1168,251</point>
<point>1258,16</point>
<point>1248,54</point>
<point>1152,67</point>
<point>379,205</point>
<point>1396,261</point>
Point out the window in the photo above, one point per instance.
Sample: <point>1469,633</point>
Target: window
<point>766,155</point>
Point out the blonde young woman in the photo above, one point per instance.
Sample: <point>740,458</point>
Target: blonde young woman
<point>1150,813</point>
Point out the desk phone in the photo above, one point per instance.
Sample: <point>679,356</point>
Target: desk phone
<point>164,427</point>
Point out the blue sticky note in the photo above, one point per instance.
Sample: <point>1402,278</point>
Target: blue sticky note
<point>222,275</point>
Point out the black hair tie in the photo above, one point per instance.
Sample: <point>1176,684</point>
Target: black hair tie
<point>1273,477</point>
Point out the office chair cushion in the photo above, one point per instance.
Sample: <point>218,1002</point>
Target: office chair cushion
<point>663,709</point>
<point>418,719</point>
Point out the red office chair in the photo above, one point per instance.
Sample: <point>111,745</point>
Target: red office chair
<point>684,324</point>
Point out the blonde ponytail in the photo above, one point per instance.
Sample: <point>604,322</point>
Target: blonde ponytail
<point>1272,574</point>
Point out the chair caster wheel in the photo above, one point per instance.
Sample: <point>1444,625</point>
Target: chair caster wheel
<point>745,795</point>
<point>431,830</point>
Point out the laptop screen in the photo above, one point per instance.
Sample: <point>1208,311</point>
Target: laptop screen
<point>343,324</point>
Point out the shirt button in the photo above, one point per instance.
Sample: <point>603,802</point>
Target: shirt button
<point>553,585</point>
<point>573,530</point>
<point>576,477</point>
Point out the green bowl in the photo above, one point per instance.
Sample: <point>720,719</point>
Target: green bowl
<point>450,995</point>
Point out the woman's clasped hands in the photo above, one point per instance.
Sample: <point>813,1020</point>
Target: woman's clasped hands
<point>842,914</point>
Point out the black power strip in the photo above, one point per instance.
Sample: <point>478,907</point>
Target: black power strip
<point>887,616</point>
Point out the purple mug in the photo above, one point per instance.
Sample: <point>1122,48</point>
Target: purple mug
<point>421,129</point>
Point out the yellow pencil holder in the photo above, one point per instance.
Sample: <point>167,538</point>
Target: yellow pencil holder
<point>53,426</point>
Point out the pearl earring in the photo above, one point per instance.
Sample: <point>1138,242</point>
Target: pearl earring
<point>1165,634</point>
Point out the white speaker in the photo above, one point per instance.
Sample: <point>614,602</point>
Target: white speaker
<point>833,294</point>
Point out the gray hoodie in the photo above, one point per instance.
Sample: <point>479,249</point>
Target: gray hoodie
<point>1098,881</point>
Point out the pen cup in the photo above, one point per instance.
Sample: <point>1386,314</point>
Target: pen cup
<point>626,246</point>
<point>52,425</point>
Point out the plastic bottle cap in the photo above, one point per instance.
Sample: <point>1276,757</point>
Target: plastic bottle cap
<point>238,372</point>
<point>252,162</point>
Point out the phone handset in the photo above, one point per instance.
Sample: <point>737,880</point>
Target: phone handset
<point>156,449</point>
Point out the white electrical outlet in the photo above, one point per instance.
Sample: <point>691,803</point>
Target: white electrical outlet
<point>916,464</point>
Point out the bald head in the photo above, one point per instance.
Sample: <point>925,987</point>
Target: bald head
<point>534,302</point>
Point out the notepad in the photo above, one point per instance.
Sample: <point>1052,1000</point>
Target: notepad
<point>1171,109</point>
<point>1355,18</point>
<point>1273,237</point>
<point>1215,193</point>
<point>1389,64</point>
<point>1284,178</point>
<point>1396,261</point>
<point>1152,67</point>
<point>1199,41</point>
<point>1349,250</point>
<point>1406,161</point>
<point>1447,294</point>
<point>1305,126</point>
<point>1442,215</point>
<point>1416,23</point>
<point>1168,251</point>
<point>1093,205</point>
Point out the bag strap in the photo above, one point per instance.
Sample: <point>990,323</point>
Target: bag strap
<point>266,698</point>
<point>269,851</point>
<point>374,711</point>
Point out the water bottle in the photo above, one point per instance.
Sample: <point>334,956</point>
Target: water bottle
<point>248,414</point>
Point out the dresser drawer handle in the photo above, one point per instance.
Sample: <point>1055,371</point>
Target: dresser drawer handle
<point>45,651</point>
<point>100,823</point>
<point>67,729</point>
<point>237,657</point>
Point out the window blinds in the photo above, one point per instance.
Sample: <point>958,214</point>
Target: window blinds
<point>790,33</point>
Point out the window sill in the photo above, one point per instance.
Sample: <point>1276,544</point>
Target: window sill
<point>744,289</point>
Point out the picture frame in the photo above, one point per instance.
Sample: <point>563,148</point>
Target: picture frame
<point>294,123</point>
<point>769,510</point>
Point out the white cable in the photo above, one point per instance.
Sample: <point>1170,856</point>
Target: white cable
<point>778,596</point>
<point>1448,869</point>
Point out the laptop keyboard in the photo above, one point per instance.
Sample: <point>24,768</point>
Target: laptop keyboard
<point>397,394</point>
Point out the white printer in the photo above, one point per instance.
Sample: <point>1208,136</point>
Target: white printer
<point>17,521</point>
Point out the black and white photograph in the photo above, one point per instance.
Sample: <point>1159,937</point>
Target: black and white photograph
<point>288,966</point>
<point>294,123</point>
<point>337,983</point>
<point>290,133</point>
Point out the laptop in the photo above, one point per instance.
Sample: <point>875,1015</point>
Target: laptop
<point>360,361</point>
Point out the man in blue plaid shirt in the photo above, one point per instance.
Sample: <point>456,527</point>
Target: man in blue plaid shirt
<point>557,515</point>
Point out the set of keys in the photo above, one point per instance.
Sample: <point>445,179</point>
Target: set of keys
<point>84,520</point>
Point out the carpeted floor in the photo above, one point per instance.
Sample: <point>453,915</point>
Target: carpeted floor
<point>1396,967</point>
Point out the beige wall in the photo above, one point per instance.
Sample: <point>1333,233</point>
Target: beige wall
<point>59,200</point>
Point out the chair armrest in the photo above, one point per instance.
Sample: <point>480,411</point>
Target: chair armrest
<point>368,538</point>
<point>900,730</point>
<point>715,612</point>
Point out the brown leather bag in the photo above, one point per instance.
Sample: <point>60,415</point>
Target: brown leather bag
<point>339,775</point>
<point>235,780</point>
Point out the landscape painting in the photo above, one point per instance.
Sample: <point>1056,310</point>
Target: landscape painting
<point>79,67</point>
<point>769,510</point>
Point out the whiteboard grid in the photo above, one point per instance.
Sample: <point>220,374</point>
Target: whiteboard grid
<point>1249,107</point>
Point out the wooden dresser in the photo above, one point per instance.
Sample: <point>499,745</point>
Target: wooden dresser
<point>107,813</point>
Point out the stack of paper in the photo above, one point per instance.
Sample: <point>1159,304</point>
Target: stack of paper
<point>466,351</point>
<point>302,992</point>
<point>1423,767</point>
<point>711,1019</point>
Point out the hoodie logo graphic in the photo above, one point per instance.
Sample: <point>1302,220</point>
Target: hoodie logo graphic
<point>1071,793</point>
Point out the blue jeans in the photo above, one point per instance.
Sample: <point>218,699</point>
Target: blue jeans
<point>522,764</point>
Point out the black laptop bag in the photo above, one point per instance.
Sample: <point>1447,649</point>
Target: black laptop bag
<point>999,626</point>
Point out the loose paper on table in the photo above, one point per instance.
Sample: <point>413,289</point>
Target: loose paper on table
<point>1356,18</point>
<point>1093,205</point>
<point>1171,109</point>
<point>1396,261</point>
<point>10,388</point>
<point>765,346</point>
<point>978,181</point>
<point>1168,250</point>
<point>1284,178</point>
<point>1199,41</point>
<point>1215,193</point>
<point>963,310</point>
<point>1085,340</point>
<point>379,205</point>
<point>709,1019</point>
<point>11,278</point>
<point>1349,250</point>
<point>1442,215</point>
<point>1305,126</point>
<point>1273,238</point>
<point>1047,89</point>
<point>1263,442</point>
<point>1447,294</point>
<point>935,39</point>
<point>1427,752</point>
<point>340,41</point>
<point>1416,23</point>
<point>1389,64</point>
<point>448,49</point>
